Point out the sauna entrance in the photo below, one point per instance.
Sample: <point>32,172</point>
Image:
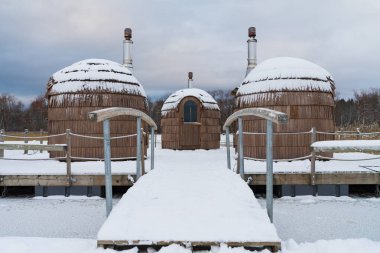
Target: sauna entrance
<point>190,128</point>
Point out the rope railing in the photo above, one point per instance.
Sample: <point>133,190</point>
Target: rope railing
<point>102,159</point>
<point>279,160</point>
<point>33,159</point>
<point>32,137</point>
<point>278,133</point>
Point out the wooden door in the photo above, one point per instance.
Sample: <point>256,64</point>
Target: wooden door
<point>190,135</point>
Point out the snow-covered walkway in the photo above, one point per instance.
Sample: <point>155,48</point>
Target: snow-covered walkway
<point>188,200</point>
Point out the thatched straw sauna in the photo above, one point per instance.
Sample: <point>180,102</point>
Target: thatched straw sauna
<point>190,120</point>
<point>303,90</point>
<point>87,86</point>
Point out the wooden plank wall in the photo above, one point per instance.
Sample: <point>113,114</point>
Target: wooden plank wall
<point>304,109</point>
<point>70,111</point>
<point>210,128</point>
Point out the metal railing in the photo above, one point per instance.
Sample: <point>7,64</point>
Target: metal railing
<point>271,117</point>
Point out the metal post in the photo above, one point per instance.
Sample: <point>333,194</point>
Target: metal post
<point>312,161</point>
<point>107,164</point>
<point>68,157</point>
<point>26,132</point>
<point>41,140</point>
<point>1,140</point>
<point>269,181</point>
<point>241,149</point>
<point>228,147</point>
<point>138,155</point>
<point>152,143</point>
<point>143,152</point>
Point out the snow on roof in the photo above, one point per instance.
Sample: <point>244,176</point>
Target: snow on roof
<point>174,99</point>
<point>286,74</point>
<point>94,75</point>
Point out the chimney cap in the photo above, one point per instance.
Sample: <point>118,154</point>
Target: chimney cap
<point>252,32</point>
<point>190,75</point>
<point>128,33</point>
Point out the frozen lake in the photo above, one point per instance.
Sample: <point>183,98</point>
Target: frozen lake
<point>301,218</point>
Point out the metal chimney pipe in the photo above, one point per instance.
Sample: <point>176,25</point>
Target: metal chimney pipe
<point>252,58</point>
<point>190,81</point>
<point>127,49</point>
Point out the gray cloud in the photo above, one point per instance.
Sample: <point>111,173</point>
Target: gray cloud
<point>173,37</point>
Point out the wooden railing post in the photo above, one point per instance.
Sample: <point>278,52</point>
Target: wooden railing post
<point>312,161</point>
<point>358,133</point>
<point>1,140</point>
<point>68,157</point>
<point>340,133</point>
<point>26,132</point>
<point>41,140</point>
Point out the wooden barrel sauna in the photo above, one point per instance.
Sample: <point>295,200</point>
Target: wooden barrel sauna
<point>190,119</point>
<point>303,90</point>
<point>87,86</point>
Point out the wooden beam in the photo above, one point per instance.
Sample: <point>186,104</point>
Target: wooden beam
<point>321,178</point>
<point>365,146</point>
<point>273,246</point>
<point>61,180</point>
<point>257,179</point>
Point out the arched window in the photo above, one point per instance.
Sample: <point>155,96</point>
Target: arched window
<point>190,111</point>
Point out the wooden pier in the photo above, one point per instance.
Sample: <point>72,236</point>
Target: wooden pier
<point>293,178</point>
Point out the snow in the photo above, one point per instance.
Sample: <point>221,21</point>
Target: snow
<point>174,99</point>
<point>348,144</point>
<point>332,246</point>
<point>49,245</point>
<point>200,203</point>
<point>94,74</point>
<point>304,223</point>
<point>59,245</point>
<point>286,74</point>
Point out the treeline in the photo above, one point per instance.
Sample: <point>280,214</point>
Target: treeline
<point>361,111</point>
<point>14,116</point>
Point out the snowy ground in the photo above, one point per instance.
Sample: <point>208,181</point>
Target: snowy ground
<point>303,223</point>
<point>164,157</point>
<point>304,219</point>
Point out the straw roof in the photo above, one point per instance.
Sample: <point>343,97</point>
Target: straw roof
<point>285,74</point>
<point>172,102</point>
<point>93,76</point>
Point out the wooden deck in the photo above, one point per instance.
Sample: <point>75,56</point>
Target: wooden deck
<point>121,245</point>
<point>333,178</point>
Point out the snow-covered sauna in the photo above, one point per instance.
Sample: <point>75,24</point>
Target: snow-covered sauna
<point>302,89</point>
<point>190,120</point>
<point>87,86</point>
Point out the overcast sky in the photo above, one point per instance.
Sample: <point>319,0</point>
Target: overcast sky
<point>172,37</point>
